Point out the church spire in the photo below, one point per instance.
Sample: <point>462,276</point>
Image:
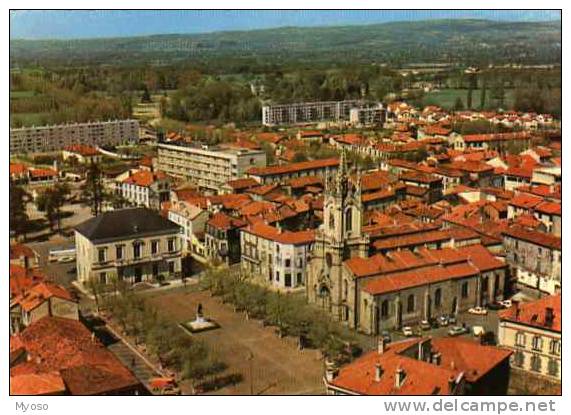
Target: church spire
<point>341,179</point>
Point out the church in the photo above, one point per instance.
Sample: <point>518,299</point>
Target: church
<point>371,293</point>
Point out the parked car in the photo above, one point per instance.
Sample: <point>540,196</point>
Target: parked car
<point>443,321</point>
<point>452,318</point>
<point>495,306</point>
<point>457,331</point>
<point>407,331</point>
<point>386,336</point>
<point>478,311</point>
<point>66,259</point>
<point>425,325</point>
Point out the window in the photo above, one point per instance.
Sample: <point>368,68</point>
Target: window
<point>155,270</point>
<point>119,251</point>
<point>154,247</point>
<point>277,276</point>
<point>137,249</point>
<point>520,339</point>
<point>171,267</point>
<point>288,280</point>
<point>555,347</point>
<point>553,367</point>
<point>438,297</point>
<point>345,289</point>
<point>465,290</point>
<point>103,277</point>
<point>288,263</point>
<point>348,219</point>
<point>410,304</point>
<point>519,358</point>
<point>101,254</point>
<point>385,308</point>
<point>537,343</point>
<point>171,245</point>
<point>535,363</point>
<point>331,221</point>
<point>299,279</point>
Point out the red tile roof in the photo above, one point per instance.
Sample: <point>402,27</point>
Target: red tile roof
<point>82,149</point>
<point>550,208</point>
<point>293,167</point>
<point>144,178</point>
<point>43,172</point>
<point>47,383</point>
<point>240,184</point>
<point>525,201</point>
<point>37,294</point>
<point>22,279</point>
<point>85,365</point>
<point>265,231</point>
<point>533,236</point>
<point>17,169</point>
<point>225,222</point>
<point>533,313</point>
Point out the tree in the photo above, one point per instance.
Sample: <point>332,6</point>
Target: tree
<point>51,201</point>
<point>458,104</point>
<point>93,193</point>
<point>146,97</point>
<point>19,220</point>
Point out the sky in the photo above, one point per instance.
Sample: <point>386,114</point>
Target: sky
<point>68,24</point>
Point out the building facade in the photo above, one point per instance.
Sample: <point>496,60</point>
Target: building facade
<point>533,331</point>
<point>276,257</point>
<point>57,137</point>
<point>132,245</point>
<point>207,167</point>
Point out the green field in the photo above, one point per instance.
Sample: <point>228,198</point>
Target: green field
<point>22,94</point>
<point>446,98</point>
<point>29,119</point>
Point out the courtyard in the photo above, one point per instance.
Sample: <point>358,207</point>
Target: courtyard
<point>269,365</point>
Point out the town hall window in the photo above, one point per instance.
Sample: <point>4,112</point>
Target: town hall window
<point>101,254</point>
<point>137,249</point>
<point>410,304</point>
<point>465,290</point>
<point>520,339</point>
<point>438,297</point>
<point>385,308</point>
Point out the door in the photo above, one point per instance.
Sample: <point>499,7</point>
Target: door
<point>138,275</point>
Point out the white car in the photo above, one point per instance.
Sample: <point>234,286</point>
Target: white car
<point>478,310</point>
<point>407,331</point>
<point>506,303</point>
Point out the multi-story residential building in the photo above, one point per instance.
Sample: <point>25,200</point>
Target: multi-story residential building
<point>280,174</point>
<point>376,115</point>
<point>502,141</point>
<point>222,238</point>
<point>49,138</point>
<point>132,245</point>
<point>310,112</point>
<point>422,186</point>
<point>533,331</point>
<point>192,219</point>
<point>207,167</point>
<point>549,176</point>
<point>276,257</point>
<point>423,366</point>
<point>145,188</point>
<point>41,300</point>
<point>535,258</point>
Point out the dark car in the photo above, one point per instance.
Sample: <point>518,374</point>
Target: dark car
<point>386,336</point>
<point>495,306</point>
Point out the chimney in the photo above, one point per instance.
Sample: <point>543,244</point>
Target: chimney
<point>378,372</point>
<point>451,385</point>
<point>549,316</point>
<point>399,377</point>
<point>381,345</point>
<point>515,304</point>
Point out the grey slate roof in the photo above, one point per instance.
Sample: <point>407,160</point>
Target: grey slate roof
<point>124,224</point>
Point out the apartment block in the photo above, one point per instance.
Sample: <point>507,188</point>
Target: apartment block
<point>57,137</point>
<point>208,167</point>
<point>308,112</point>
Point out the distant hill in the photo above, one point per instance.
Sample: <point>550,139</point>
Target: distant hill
<point>433,41</point>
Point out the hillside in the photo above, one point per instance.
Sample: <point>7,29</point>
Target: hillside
<point>444,41</point>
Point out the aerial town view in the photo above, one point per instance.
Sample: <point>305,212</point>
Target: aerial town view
<point>261,202</point>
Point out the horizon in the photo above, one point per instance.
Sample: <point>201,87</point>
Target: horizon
<point>64,25</point>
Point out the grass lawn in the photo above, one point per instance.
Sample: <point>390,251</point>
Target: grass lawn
<point>446,98</point>
<point>22,94</point>
<point>28,119</point>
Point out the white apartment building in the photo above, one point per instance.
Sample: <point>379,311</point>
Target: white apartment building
<point>207,167</point>
<point>56,137</point>
<point>145,188</point>
<point>533,331</point>
<point>308,112</point>
<point>376,115</point>
<point>192,219</point>
<point>275,257</point>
